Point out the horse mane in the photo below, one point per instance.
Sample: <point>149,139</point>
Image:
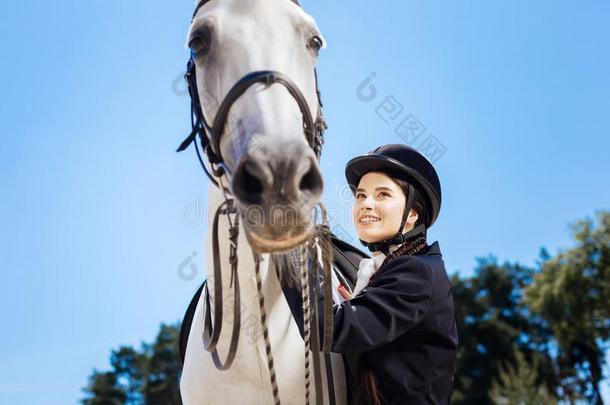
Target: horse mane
<point>287,264</point>
<point>286,267</point>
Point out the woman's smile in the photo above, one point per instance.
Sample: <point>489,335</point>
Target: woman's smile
<point>367,219</point>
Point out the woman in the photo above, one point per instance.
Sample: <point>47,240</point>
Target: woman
<point>397,328</point>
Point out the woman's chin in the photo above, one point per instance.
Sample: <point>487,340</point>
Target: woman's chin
<point>371,237</point>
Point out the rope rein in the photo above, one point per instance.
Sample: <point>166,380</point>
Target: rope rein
<point>306,317</point>
<point>269,354</point>
<point>325,252</point>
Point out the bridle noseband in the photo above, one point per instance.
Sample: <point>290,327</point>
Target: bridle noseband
<point>209,135</point>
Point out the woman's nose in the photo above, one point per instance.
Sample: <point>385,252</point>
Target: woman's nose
<point>367,204</point>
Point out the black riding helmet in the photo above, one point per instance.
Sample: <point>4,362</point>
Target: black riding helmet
<point>405,163</point>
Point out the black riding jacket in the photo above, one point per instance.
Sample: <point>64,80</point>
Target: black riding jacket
<point>403,323</point>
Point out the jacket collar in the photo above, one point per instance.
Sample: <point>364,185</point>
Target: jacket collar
<point>433,249</point>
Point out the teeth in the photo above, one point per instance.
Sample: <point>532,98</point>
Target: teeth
<point>368,220</point>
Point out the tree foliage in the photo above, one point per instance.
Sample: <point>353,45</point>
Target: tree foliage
<point>104,389</point>
<point>518,384</point>
<point>493,326</point>
<point>572,292</point>
<point>148,376</point>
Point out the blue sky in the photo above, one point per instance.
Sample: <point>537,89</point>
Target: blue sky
<point>96,206</point>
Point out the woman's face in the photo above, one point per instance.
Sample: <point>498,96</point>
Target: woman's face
<point>378,208</point>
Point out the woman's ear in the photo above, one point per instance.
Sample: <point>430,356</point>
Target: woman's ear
<point>411,220</point>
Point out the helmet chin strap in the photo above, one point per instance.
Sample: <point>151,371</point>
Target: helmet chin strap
<point>400,238</point>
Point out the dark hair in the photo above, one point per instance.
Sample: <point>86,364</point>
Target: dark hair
<point>366,391</point>
<point>420,204</point>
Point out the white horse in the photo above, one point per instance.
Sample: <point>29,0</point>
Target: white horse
<point>268,165</point>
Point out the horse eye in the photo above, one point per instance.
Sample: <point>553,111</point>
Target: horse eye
<point>316,44</point>
<point>199,45</point>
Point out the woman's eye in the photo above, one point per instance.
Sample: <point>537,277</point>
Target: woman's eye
<point>359,196</point>
<point>384,195</point>
<point>315,44</point>
<point>199,45</point>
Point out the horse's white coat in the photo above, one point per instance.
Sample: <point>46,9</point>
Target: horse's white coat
<point>251,35</point>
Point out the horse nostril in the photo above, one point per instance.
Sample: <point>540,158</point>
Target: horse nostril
<point>279,174</point>
<point>311,181</point>
<point>247,185</point>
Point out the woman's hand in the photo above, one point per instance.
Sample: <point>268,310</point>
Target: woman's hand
<point>344,293</point>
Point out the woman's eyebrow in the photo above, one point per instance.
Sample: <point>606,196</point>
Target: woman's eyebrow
<point>383,188</point>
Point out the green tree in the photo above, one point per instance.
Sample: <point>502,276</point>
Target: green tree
<point>517,385</point>
<point>572,293</point>
<point>493,325</point>
<point>164,366</point>
<point>150,375</point>
<point>104,390</point>
<point>130,367</point>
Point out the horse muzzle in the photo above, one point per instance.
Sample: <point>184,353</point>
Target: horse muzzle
<point>277,186</point>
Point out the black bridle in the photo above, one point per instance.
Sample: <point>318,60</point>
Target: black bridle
<point>209,135</point>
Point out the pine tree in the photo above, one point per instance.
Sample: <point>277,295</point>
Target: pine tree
<point>492,322</point>
<point>104,389</point>
<point>518,384</point>
<point>148,376</point>
<point>162,381</point>
<point>572,293</point>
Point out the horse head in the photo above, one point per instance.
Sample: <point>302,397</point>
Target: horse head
<point>253,69</point>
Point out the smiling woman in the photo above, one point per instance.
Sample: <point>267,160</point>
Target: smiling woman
<point>397,327</point>
<point>399,322</point>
